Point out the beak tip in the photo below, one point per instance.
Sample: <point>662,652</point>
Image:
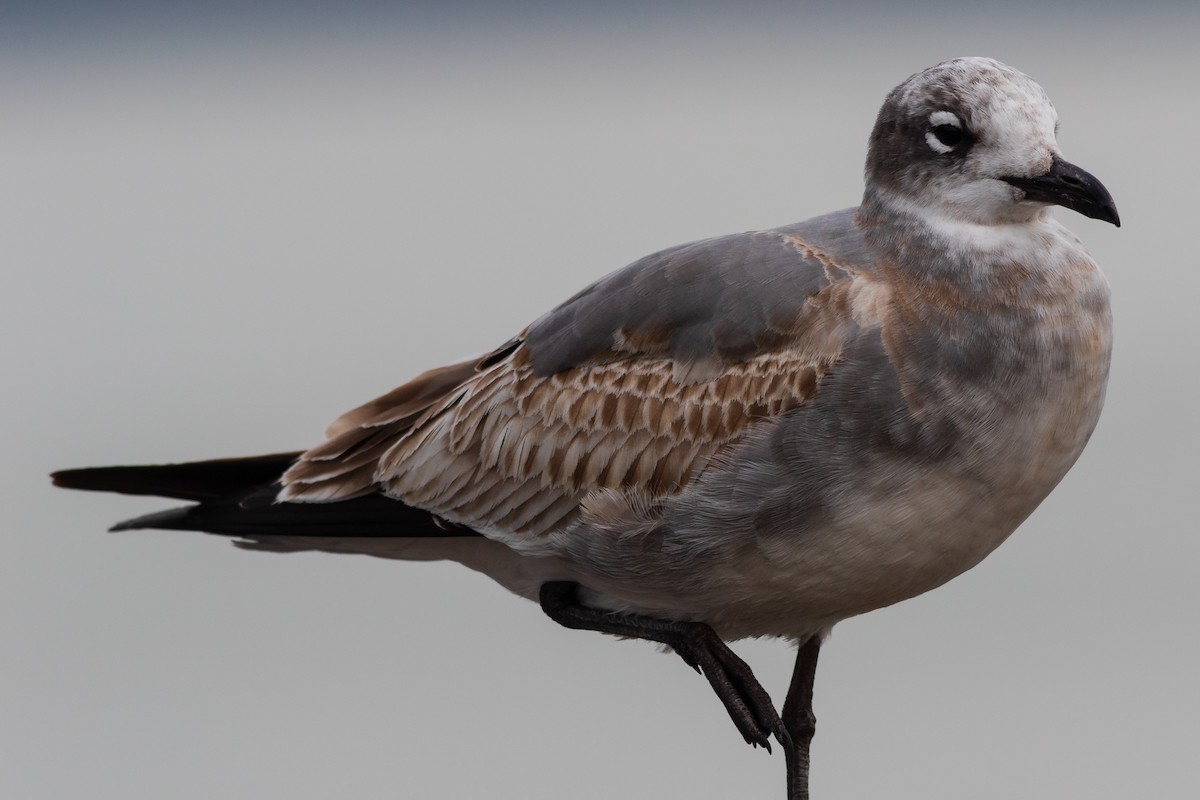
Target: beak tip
<point>1071,187</point>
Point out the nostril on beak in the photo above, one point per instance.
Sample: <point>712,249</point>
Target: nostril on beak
<point>1071,180</point>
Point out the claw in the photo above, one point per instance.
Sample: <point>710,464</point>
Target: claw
<point>690,660</point>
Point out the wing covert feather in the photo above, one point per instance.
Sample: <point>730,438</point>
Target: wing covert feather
<point>600,395</point>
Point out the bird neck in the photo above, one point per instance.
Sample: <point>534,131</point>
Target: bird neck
<point>986,265</point>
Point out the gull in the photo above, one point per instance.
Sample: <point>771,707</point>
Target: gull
<point>755,435</point>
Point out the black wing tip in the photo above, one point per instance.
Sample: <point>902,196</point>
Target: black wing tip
<point>72,478</point>
<point>197,481</point>
<point>170,519</point>
<point>239,497</point>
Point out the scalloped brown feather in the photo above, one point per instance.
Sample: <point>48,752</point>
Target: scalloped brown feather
<point>507,450</point>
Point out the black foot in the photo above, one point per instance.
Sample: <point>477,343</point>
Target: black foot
<point>748,704</point>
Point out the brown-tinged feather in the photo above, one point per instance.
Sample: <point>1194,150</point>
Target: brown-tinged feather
<point>406,400</point>
<point>495,445</point>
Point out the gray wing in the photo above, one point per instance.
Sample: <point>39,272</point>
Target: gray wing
<point>634,385</point>
<point>724,299</point>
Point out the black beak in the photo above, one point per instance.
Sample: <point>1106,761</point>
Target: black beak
<point>1069,186</point>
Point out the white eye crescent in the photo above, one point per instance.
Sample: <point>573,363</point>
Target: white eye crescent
<point>945,132</point>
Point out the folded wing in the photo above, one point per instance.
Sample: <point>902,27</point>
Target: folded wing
<point>634,385</point>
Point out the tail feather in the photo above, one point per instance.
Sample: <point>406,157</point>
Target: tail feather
<point>237,497</point>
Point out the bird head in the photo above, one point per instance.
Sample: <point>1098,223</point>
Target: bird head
<point>973,140</point>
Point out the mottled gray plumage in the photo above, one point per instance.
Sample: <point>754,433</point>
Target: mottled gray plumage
<point>924,370</point>
<point>765,433</point>
<point>724,299</point>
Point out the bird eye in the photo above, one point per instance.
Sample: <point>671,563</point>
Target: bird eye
<point>945,133</point>
<point>948,135</point>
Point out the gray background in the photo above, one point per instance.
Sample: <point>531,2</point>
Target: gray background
<point>220,229</point>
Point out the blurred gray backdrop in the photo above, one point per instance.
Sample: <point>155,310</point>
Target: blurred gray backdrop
<point>220,228</point>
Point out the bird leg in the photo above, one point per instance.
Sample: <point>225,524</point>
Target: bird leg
<point>748,704</point>
<point>798,718</point>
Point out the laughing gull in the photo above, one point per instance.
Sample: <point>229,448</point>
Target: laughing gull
<point>753,435</point>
